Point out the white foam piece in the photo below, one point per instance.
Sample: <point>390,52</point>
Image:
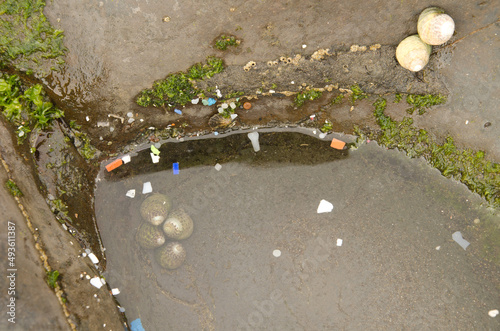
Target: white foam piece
<point>493,313</point>
<point>93,258</point>
<point>130,193</point>
<point>322,135</point>
<point>277,253</point>
<point>115,291</point>
<point>218,167</point>
<point>324,207</point>
<point>147,188</point>
<point>126,158</point>
<point>233,116</point>
<point>457,236</point>
<point>254,138</point>
<point>96,282</point>
<point>339,242</point>
<point>155,158</point>
<point>195,101</point>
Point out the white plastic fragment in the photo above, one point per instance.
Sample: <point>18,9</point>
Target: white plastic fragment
<point>322,135</point>
<point>147,188</point>
<point>272,91</point>
<point>126,158</point>
<point>218,167</point>
<point>195,101</point>
<point>130,114</point>
<point>155,158</point>
<point>97,282</point>
<point>65,227</point>
<point>457,236</point>
<point>277,253</point>
<point>493,313</point>
<point>220,110</point>
<point>87,118</point>
<point>324,207</point>
<point>232,105</point>
<point>339,242</point>
<point>102,124</point>
<point>438,248</point>
<point>130,120</point>
<point>115,291</point>
<point>233,116</point>
<point>219,94</point>
<point>93,258</point>
<point>130,193</point>
<point>224,106</point>
<point>254,138</point>
<point>304,46</point>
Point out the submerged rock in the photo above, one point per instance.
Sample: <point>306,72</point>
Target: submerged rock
<point>155,208</point>
<point>171,256</point>
<point>178,225</point>
<point>149,236</point>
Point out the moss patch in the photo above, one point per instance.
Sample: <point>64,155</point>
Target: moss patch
<point>423,102</point>
<point>308,95</point>
<point>52,277</point>
<point>470,167</point>
<point>178,89</point>
<point>13,188</point>
<point>224,41</point>
<point>27,39</point>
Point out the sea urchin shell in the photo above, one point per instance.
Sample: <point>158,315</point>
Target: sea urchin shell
<point>178,225</point>
<point>149,236</point>
<point>171,256</point>
<point>155,208</point>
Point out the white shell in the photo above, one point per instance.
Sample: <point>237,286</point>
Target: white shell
<point>413,54</point>
<point>434,26</point>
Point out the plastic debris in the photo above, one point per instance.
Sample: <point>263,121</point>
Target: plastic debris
<point>155,150</point>
<point>130,114</point>
<point>93,258</point>
<point>254,138</point>
<point>115,291</point>
<point>339,242</point>
<point>102,124</point>
<point>247,105</point>
<point>457,236</point>
<point>136,325</point>
<point>337,144</point>
<point>211,101</point>
<point>113,165</point>
<point>175,168</point>
<point>220,110</point>
<point>322,135</point>
<point>493,313</point>
<point>195,101</point>
<point>204,102</point>
<point>224,106</point>
<point>219,94</point>
<point>178,111</point>
<point>232,105</point>
<point>216,133</point>
<point>218,167</point>
<point>324,207</point>
<point>147,188</point>
<point>121,309</point>
<point>312,117</point>
<point>96,282</point>
<point>277,253</point>
<point>87,118</point>
<point>130,120</point>
<point>272,91</point>
<point>233,116</point>
<point>155,158</point>
<point>130,193</point>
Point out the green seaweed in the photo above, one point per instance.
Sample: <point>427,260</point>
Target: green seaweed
<point>224,41</point>
<point>338,99</point>
<point>327,127</point>
<point>423,102</point>
<point>52,277</point>
<point>470,167</point>
<point>178,88</point>
<point>307,95</point>
<point>27,39</point>
<point>26,110</point>
<point>13,188</point>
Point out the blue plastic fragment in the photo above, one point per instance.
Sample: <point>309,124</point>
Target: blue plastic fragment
<point>175,167</point>
<point>178,111</point>
<point>136,325</point>
<point>211,101</point>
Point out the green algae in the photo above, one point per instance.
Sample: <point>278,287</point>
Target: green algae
<point>307,95</point>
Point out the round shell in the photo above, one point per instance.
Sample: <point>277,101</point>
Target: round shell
<point>434,26</point>
<point>171,256</point>
<point>155,208</point>
<point>412,53</point>
<point>149,236</point>
<point>178,225</point>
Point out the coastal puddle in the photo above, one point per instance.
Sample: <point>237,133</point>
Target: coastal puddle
<point>262,258</point>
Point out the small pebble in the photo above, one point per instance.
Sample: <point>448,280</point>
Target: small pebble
<point>477,220</point>
<point>493,313</point>
<point>130,114</point>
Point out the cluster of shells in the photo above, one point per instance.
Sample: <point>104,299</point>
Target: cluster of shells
<point>434,28</point>
<point>161,223</point>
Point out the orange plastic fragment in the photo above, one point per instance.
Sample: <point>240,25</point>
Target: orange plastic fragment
<point>113,165</point>
<point>247,105</point>
<point>337,144</point>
